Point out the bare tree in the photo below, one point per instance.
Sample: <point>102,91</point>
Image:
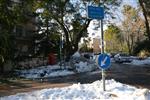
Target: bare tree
<point>132,27</point>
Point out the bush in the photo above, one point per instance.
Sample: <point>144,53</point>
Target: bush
<point>142,47</point>
<point>144,54</point>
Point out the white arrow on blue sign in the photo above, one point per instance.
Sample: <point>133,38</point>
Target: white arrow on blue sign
<point>104,61</point>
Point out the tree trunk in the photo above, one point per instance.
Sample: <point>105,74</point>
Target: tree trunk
<point>73,47</point>
<point>1,68</point>
<point>69,52</point>
<point>146,20</point>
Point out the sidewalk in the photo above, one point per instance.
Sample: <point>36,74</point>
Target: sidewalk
<point>18,86</point>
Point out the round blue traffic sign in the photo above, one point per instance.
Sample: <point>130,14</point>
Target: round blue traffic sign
<point>104,61</point>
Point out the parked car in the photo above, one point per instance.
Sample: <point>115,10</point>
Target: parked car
<point>112,55</point>
<point>122,57</point>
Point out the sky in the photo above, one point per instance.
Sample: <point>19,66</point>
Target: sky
<point>131,2</point>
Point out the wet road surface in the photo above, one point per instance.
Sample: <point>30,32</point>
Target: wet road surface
<point>138,76</point>
<point>129,74</point>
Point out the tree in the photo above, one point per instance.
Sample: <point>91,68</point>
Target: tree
<point>12,13</point>
<point>145,5</point>
<point>113,39</point>
<point>132,27</point>
<point>69,18</point>
<point>7,20</point>
<point>85,46</point>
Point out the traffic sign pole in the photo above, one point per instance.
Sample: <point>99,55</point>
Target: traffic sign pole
<point>98,13</point>
<point>103,79</point>
<point>102,51</point>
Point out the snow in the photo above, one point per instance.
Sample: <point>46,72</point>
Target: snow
<point>93,91</point>
<point>84,67</point>
<point>141,62</point>
<point>136,61</point>
<point>45,71</point>
<point>37,74</point>
<point>76,54</point>
<point>56,70</point>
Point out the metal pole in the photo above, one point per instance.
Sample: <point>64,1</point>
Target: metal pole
<point>60,50</point>
<point>102,52</point>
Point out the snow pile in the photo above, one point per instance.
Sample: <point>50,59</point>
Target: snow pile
<point>93,91</point>
<point>56,70</point>
<point>78,66</point>
<point>83,62</point>
<point>84,67</point>
<point>59,73</point>
<point>141,62</point>
<point>76,55</point>
<point>45,71</point>
<point>40,74</point>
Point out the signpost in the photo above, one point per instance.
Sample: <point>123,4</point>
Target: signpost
<point>60,49</point>
<point>104,63</point>
<point>103,60</point>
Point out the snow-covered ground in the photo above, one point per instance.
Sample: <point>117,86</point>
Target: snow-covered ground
<point>141,62</point>
<point>45,71</point>
<point>55,70</point>
<point>93,91</point>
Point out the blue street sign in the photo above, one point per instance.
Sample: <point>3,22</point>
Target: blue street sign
<point>95,12</point>
<point>104,61</point>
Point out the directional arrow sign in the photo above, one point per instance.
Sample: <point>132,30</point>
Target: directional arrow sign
<point>104,61</point>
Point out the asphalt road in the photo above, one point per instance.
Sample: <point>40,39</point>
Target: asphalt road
<point>129,74</point>
<point>138,76</point>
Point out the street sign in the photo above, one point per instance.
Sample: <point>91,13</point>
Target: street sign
<point>104,61</point>
<point>95,12</point>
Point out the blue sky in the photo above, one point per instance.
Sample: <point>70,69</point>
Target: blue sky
<point>118,14</point>
<point>131,2</point>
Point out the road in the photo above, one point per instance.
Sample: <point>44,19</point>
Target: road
<point>125,73</point>
<point>138,76</point>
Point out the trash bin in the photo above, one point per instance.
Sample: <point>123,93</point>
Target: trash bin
<point>51,59</point>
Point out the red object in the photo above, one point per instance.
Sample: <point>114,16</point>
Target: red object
<point>51,59</point>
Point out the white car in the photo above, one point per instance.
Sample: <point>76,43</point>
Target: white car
<point>121,57</point>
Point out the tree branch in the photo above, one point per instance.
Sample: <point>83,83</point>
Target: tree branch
<point>80,34</point>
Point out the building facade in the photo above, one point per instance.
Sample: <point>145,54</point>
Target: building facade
<point>96,45</point>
